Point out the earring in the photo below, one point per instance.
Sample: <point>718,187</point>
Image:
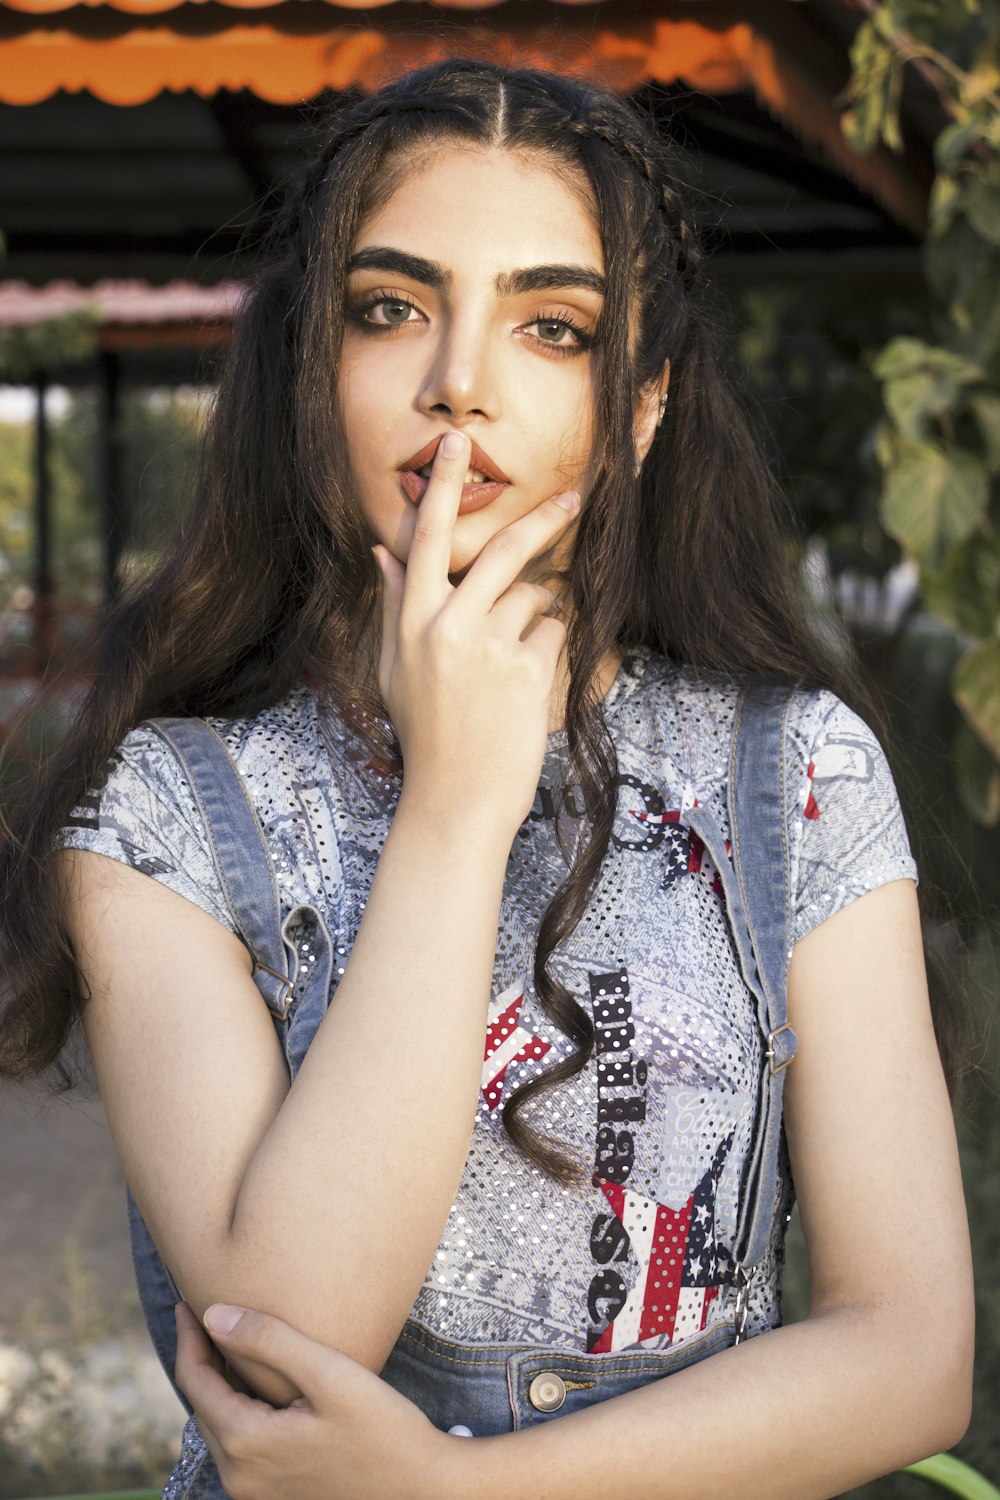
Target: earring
<point>663,408</point>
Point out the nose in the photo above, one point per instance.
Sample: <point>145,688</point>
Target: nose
<point>461,379</point>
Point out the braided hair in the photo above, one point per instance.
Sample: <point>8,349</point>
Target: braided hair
<point>273,581</point>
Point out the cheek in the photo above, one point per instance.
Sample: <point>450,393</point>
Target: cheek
<point>556,423</point>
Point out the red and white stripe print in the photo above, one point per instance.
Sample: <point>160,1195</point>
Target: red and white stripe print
<point>507,1042</point>
<point>659,1303</point>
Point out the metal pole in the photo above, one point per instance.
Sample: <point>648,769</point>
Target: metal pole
<point>113,499</point>
<point>44,593</point>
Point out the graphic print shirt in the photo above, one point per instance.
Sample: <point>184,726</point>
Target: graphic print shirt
<point>641,1255</point>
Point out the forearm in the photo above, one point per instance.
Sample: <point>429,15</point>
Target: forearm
<point>802,1413</point>
<point>342,1205</point>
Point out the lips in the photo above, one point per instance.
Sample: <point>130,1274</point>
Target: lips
<point>478,460</point>
<point>475,494</point>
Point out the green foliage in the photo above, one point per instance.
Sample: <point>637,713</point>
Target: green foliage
<point>939,446</point>
<point>26,353</point>
<point>159,436</point>
<point>951,1474</point>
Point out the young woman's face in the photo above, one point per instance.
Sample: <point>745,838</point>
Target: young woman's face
<point>472,298</point>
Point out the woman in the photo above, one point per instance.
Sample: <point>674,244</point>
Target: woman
<point>478,502</point>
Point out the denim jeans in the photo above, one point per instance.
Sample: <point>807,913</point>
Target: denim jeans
<point>487,1388</point>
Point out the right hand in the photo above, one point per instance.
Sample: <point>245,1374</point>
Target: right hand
<point>468,697</point>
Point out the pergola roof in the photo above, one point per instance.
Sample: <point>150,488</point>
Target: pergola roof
<point>162,330</point>
<point>131,130</point>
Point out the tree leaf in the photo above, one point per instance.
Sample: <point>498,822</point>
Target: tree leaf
<point>982,203</point>
<point>978,313</point>
<point>965,590</point>
<point>944,201</point>
<point>976,686</point>
<point>952,144</point>
<point>933,499</point>
<point>977,777</point>
<point>906,356</point>
<point>953,261</point>
<point>922,382</point>
<point>867,90</point>
<point>986,409</point>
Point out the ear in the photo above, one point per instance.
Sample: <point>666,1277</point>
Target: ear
<point>648,415</point>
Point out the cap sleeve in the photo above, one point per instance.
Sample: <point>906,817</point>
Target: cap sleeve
<point>142,813</point>
<point>851,836</point>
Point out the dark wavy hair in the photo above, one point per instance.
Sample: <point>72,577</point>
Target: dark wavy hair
<point>272,581</point>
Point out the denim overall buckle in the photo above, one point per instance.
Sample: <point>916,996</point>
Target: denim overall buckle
<point>781,1055</point>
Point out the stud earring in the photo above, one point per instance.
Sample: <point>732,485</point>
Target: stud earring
<point>663,408</point>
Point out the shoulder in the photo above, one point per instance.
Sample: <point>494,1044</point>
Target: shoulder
<point>142,811</point>
<point>848,832</point>
<point>688,714</point>
<point>694,712</point>
<point>284,739</point>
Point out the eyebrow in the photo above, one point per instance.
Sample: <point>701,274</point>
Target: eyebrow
<point>506,283</point>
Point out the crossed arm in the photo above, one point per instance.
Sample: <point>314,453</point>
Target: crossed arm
<point>877,1375</point>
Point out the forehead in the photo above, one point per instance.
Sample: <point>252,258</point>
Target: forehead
<point>488,207</point>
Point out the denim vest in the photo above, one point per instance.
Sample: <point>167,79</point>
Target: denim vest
<point>489,1388</point>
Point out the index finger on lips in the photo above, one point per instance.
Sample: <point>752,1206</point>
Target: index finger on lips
<point>430,549</point>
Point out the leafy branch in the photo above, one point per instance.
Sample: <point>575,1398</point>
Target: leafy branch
<point>939,442</point>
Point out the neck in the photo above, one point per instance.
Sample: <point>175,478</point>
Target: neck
<point>606,674</point>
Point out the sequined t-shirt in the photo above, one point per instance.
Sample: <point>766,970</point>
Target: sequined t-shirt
<point>523,1259</point>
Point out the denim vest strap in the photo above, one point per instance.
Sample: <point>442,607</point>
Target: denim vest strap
<point>755,882</point>
<point>239,853</point>
<point>246,876</point>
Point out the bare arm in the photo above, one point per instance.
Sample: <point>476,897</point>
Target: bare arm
<point>879,1374</point>
<point>323,1202</point>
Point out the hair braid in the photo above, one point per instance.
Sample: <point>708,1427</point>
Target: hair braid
<point>686,254</point>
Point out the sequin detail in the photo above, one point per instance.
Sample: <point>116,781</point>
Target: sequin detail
<point>523,1259</point>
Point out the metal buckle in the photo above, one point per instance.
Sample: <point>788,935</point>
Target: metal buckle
<point>770,1053</point>
<point>289,985</point>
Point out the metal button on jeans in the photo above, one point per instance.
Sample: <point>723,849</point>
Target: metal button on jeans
<point>547,1391</point>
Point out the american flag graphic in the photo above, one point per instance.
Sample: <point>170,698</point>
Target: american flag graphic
<point>506,1042</point>
<point>679,1274</point>
<point>684,851</point>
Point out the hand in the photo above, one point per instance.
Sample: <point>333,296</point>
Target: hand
<point>467,689</point>
<point>349,1436</point>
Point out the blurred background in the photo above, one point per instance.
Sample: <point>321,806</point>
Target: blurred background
<point>847,159</point>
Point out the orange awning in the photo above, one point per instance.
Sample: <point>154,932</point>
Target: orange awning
<point>292,54</point>
<point>287,67</point>
<point>154,7</point>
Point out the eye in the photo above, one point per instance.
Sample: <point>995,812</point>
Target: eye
<point>383,310</point>
<point>560,335</point>
<point>553,330</point>
<point>394,310</point>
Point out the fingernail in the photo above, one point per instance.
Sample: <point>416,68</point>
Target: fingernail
<point>568,502</point>
<point>452,444</point>
<point>222,1319</point>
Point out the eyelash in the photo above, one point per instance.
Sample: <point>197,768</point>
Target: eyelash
<point>374,299</point>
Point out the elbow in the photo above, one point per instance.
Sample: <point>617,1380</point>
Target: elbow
<point>937,1388</point>
<point>954,1412</point>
